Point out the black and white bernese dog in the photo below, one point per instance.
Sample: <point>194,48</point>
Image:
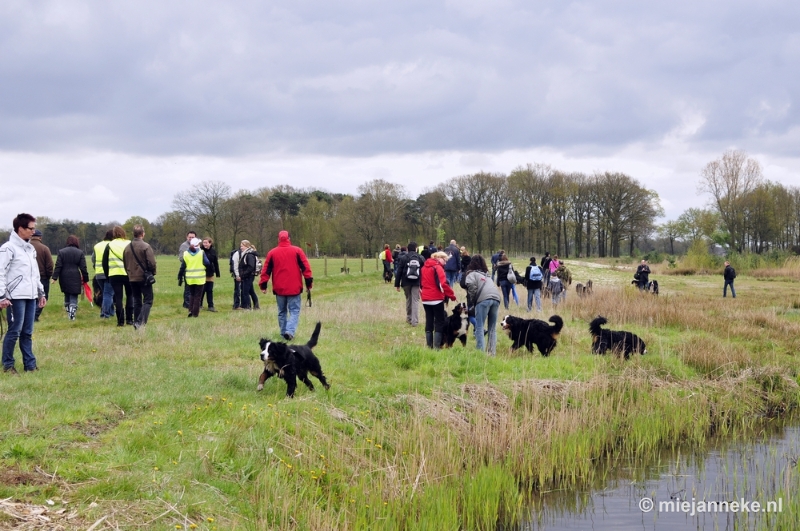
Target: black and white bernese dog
<point>456,326</point>
<point>616,341</point>
<point>651,287</point>
<point>529,332</point>
<point>290,362</point>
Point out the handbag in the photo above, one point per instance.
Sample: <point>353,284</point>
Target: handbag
<point>149,278</point>
<point>511,276</point>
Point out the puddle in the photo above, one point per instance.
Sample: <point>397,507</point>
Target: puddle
<point>680,491</point>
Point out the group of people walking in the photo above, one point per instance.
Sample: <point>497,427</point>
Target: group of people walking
<point>427,275</point>
<point>124,276</point>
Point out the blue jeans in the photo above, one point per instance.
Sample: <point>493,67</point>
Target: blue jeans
<point>505,286</point>
<point>20,316</point>
<point>107,309</point>
<point>487,308</point>
<point>452,277</point>
<point>288,305</point>
<point>725,289</point>
<point>537,293</point>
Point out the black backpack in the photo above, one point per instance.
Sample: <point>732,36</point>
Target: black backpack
<point>412,267</point>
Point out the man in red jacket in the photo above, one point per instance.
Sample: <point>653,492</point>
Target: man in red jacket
<point>287,265</point>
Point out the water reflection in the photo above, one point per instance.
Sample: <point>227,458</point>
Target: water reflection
<point>682,490</point>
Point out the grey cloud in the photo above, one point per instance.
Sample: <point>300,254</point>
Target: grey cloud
<point>357,78</point>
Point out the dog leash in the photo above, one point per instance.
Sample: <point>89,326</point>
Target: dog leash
<point>308,298</point>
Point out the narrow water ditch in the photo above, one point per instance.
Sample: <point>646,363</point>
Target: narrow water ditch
<point>729,484</point>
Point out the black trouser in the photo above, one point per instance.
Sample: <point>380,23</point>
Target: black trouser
<point>254,295</point>
<point>142,301</point>
<point>195,294</point>
<point>46,286</point>
<point>237,293</point>
<point>186,295</point>
<point>435,317</point>
<point>124,312</point>
<point>208,293</point>
<point>248,293</point>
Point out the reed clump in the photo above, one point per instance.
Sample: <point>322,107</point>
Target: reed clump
<point>789,270</point>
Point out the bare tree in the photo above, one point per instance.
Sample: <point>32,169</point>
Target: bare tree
<point>475,198</point>
<point>378,212</point>
<point>580,195</point>
<point>532,202</point>
<point>729,180</point>
<point>238,213</point>
<point>203,205</point>
<point>671,231</point>
<point>624,205</point>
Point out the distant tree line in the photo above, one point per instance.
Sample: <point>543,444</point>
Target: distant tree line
<point>532,209</point>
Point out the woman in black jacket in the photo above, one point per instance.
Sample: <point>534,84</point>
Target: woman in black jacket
<point>212,269</point>
<point>248,271</point>
<point>71,273</point>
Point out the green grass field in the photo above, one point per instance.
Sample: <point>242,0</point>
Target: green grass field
<point>162,428</point>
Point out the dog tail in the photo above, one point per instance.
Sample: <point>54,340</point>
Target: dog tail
<point>315,336</point>
<point>558,324</point>
<point>594,326</point>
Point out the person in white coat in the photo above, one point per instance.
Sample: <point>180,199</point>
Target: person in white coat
<point>21,292</point>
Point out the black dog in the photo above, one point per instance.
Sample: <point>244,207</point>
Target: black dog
<point>290,362</point>
<point>617,341</point>
<point>456,326</point>
<point>528,332</point>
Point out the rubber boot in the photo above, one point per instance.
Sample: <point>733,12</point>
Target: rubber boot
<point>429,339</point>
<point>71,311</point>
<point>437,340</point>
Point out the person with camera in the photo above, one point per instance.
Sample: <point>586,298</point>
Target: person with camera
<point>140,264</point>
<point>643,275</point>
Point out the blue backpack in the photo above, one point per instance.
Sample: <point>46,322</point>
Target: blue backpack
<point>536,274</point>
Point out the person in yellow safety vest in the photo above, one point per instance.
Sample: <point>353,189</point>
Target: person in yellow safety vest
<point>100,280</point>
<point>114,269</point>
<point>193,271</point>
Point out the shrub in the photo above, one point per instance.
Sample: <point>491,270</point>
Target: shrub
<point>654,257</point>
<point>699,259</point>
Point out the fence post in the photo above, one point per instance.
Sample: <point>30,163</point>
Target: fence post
<point>345,265</point>
<point>325,258</point>
<point>362,263</point>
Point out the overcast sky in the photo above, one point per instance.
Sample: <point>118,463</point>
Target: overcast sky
<point>107,109</point>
